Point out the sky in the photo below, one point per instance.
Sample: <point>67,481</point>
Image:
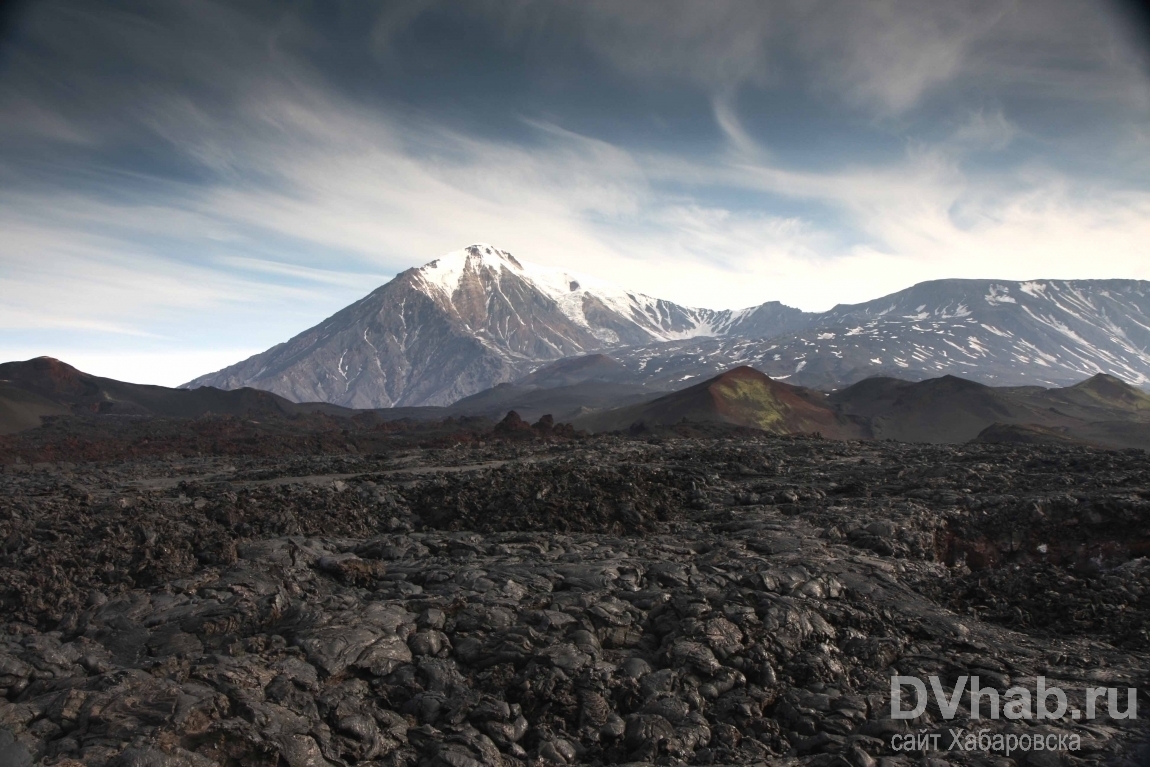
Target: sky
<point>185,183</point>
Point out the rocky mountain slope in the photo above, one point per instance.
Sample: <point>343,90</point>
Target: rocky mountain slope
<point>1050,333</point>
<point>21,409</point>
<point>742,397</point>
<point>1103,410</point>
<point>46,386</point>
<point>468,321</point>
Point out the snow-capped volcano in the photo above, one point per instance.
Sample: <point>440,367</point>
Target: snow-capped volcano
<point>610,313</point>
<point>467,321</point>
<point>481,316</point>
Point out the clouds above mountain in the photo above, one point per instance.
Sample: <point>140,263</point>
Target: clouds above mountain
<point>197,175</point>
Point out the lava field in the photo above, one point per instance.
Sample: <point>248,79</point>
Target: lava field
<point>585,601</point>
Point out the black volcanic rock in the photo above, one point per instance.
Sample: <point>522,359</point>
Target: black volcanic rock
<point>602,602</point>
<point>512,424</point>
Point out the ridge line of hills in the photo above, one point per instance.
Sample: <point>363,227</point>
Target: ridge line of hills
<point>1101,411</point>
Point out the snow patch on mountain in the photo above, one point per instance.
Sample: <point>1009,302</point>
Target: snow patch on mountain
<point>571,290</point>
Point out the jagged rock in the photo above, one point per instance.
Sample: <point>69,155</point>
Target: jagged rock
<point>590,604</point>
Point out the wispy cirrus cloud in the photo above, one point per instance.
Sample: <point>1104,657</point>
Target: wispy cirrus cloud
<point>246,178</point>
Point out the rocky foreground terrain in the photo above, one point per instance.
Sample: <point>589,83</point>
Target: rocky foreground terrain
<point>586,601</point>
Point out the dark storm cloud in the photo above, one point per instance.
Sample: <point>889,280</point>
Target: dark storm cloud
<point>185,168</point>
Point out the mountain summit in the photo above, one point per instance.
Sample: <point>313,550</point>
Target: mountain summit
<point>524,306</point>
<point>465,322</point>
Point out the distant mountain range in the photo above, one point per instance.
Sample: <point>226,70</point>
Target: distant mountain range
<point>480,317</point>
<point>1049,333</point>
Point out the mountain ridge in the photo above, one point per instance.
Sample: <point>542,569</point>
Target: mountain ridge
<point>480,316</point>
<point>945,410</point>
<point>457,326</point>
<point>1102,411</point>
<point>1002,333</point>
<point>45,386</point>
